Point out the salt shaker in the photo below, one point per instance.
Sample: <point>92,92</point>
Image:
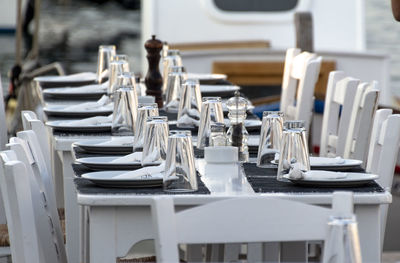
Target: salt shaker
<point>218,134</point>
<point>237,133</point>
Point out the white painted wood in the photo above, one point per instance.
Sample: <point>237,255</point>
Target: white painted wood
<point>43,178</point>
<point>364,107</point>
<point>16,191</point>
<point>300,75</point>
<point>383,150</point>
<point>339,102</point>
<point>31,122</point>
<point>220,222</point>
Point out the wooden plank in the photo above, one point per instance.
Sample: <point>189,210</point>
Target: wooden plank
<point>220,45</point>
<point>268,73</point>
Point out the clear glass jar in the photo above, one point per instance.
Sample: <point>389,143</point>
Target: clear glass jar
<point>218,135</point>
<point>237,133</point>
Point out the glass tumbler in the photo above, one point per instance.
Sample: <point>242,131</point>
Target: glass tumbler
<point>175,79</point>
<point>103,62</point>
<point>211,112</point>
<point>270,138</point>
<point>117,67</point>
<point>294,150</point>
<point>144,111</point>
<point>155,140</point>
<point>180,171</point>
<point>172,59</point>
<point>124,115</point>
<point>343,243</point>
<point>189,105</point>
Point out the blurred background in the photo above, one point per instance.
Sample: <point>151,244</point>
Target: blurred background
<point>71,30</point>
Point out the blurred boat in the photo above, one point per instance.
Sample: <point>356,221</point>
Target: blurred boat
<point>213,35</point>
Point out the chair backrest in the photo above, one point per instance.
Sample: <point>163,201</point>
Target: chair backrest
<point>27,149</point>
<point>364,107</point>
<point>382,155</point>
<point>16,191</point>
<point>3,130</point>
<point>18,214</point>
<point>31,122</point>
<point>339,101</point>
<point>299,78</point>
<point>240,220</point>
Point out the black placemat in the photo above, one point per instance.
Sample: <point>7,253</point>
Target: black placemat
<point>84,186</point>
<point>263,180</point>
<point>251,169</point>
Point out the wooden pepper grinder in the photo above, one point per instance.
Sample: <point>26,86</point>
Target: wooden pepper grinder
<point>153,78</point>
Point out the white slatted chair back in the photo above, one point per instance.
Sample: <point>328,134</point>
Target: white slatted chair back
<point>26,146</point>
<point>31,122</point>
<point>240,220</point>
<point>300,75</point>
<point>3,130</point>
<point>382,155</point>
<point>339,102</point>
<point>365,105</point>
<point>44,228</point>
<point>16,192</point>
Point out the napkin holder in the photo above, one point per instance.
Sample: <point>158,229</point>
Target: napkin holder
<point>221,162</point>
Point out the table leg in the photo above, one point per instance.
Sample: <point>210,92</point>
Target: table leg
<point>368,218</point>
<point>72,211</point>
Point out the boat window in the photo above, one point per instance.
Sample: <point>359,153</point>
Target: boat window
<point>256,5</point>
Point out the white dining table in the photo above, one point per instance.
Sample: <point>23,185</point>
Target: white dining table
<point>118,221</point>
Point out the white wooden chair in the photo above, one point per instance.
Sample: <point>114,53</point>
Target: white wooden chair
<point>339,101</point>
<point>27,149</point>
<point>383,150</point>
<point>31,122</point>
<point>364,107</point>
<point>241,220</point>
<point>20,189</point>
<point>300,75</point>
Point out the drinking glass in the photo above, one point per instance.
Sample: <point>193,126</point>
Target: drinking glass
<point>144,111</point>
<point>119,57</point>
<point>270,138</point>
<point>294,151</point>
<point>173,58</point>
<point>155,140</point>
<point>180,171</point>
<point>343,242</point>
<point>117,67</point>
<point>140,86</point>
<point>129,79</point>
<point>175,79</point>
<point>124,115</point>
<point>103,62</point>
<point>189,105</point>
<point>211,112</point>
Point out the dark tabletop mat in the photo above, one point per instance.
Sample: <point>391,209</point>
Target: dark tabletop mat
<point>84,186</point>
<point>263,180</point>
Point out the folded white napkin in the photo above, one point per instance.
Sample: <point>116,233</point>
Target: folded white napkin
<point>187,120</point>
<point>92,121</point>
<point>130,158</point>
<point>172,105</point>
<point>316,161</point>
<point>104,101</point>
<point>119,140</point>
<point>315,175</point>
<point>145,172</point>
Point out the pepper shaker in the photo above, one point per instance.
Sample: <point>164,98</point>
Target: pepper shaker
<point>153,78</point>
